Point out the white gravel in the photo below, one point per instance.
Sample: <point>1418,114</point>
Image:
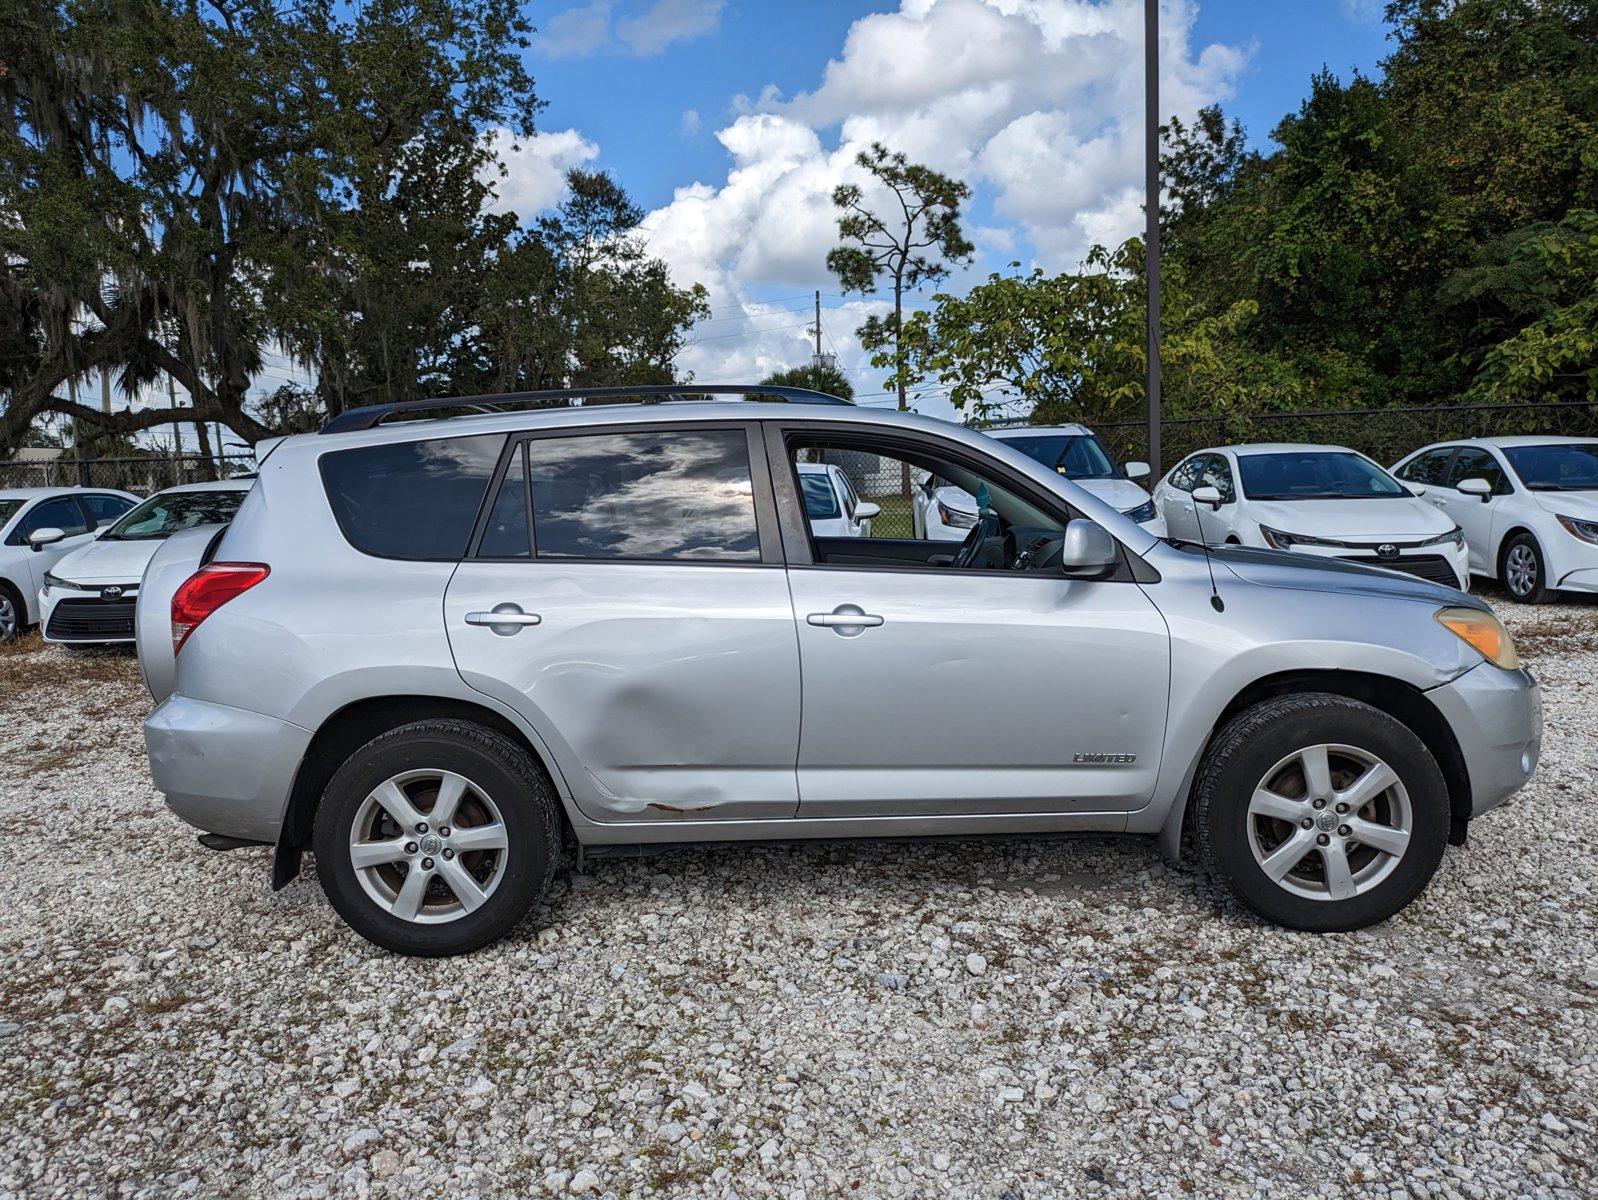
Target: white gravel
<point>1034,1018</point>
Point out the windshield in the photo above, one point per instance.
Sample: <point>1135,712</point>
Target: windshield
<point>1315,475</point>
<point>8,509</point>
<point>162,516</point>
<point>1074,455</point>
<point>821,503</point>
<point>1569,468</point>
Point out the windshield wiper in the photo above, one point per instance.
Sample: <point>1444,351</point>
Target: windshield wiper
<point>1562,487</point>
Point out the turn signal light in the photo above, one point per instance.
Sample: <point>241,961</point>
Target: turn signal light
<point>207,590</point>
<point>1484,632</point>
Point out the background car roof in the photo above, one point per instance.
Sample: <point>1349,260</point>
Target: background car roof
<point>1251,448</point>
<point>209,485</point>
<point>34,493</point>
<point>1033,430</point>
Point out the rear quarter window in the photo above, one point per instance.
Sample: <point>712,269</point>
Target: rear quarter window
<point>411,500</point>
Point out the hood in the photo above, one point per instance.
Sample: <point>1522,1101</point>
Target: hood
<point>1122,494</point>
<point>1401,519</point>
<point>107,562</point>
<point>1582,505</point>
<point>1310,573</point>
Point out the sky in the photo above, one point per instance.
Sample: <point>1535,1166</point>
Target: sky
<point>730,121</point>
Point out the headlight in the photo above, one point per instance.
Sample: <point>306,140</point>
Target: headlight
<point>1587,531</point>
<point>1277,540</point>
<point>954,517</point>
<point>51,581</point>
<point>1143,512</point>
<point>1455,537</point>
<point>1485,633</point>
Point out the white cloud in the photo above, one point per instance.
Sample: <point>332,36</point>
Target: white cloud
<point>1038,104</point>
<point>534,179</point>
<point>690,123</point>
<point>1364,12</point>
<point>590,28</point>
<point>668,21</point>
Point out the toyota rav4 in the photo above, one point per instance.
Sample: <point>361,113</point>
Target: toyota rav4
<point>431,649</point>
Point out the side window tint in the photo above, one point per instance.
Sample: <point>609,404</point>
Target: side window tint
<point>686,494</point>
<point>411,500</point>
<point>61,513</point>
<point>1476,464</point>
<point>1216,474</point>
<point>506,535</point>
<point>1182,477</point>
<point>106,509</point>
<point>1428,468</point>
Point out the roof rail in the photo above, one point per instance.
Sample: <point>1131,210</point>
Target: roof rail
<point>372,415</point>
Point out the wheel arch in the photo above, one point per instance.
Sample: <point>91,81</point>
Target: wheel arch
<point>357,723</point>
<point>1508,536</point>
<point>1403,702</point>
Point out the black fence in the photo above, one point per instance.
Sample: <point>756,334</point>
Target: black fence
<point>1385,434</point>
<point>140,476</point>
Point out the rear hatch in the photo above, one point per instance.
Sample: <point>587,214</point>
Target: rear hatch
<point>180,556</point>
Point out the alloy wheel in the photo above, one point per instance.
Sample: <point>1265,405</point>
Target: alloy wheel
<point>429,846</point>
<point>1329,822</point>
<point>8,617</point>
<point>1520,568</point>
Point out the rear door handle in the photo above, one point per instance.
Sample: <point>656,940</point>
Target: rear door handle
<point>505,619</point>
<point>848,619</point>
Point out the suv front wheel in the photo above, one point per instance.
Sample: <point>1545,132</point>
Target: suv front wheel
<point>437,837</point>
<point>1319,812</point>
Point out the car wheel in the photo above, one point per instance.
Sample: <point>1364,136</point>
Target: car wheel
<point>1521,568</point>
<point>12,614</point>
<point>1319,812</point>
<point>436,838</point>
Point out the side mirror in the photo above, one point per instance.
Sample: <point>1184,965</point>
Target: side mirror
<point>1415,490</point>
<point>1087,551</point>
<point>1137,470</point>
<point>867,511</point>
<point>1476,487</point>
<point>1207,495</point>
<point>48,536</point>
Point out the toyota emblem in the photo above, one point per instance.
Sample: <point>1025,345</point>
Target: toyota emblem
<point>1387,550</point>
<point>111,593</point>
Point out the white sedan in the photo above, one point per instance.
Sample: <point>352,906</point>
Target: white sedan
<point>1528,505</point>
<point>1323,500</point>
<point>831,504</point>
<point>943,512</point>
<point>88,596</point>
<point>38,527</point>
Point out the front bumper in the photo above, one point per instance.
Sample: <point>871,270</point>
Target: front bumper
<point>222,769</point>
<point>1444,563</point>
<point>1497,718</point>
<point>85,615</point>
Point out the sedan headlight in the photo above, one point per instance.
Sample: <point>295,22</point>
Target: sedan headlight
<point>51,581</point>
<point>1276,539</point>
<point>1454,537</point>
<point>1143,512</point>
<point>1587,531</point>
<point>1485,633</point>
<point>954,518</point>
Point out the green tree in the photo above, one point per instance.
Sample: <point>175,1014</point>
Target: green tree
<point>818,377</point>
<point>912,245</point>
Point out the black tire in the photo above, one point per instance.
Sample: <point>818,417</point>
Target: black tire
<point>14,597</point>
<point>1247,749</point>
<point>1536,590</point>
<point>503,770</point>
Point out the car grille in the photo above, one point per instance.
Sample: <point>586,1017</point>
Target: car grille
<point>88,620</point>
<point>1433,567</point>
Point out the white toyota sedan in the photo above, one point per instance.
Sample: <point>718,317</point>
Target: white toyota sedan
<point>88,597</point>
<point>831,504</point>
<point>1528,506</point>
<point>1323,500</point>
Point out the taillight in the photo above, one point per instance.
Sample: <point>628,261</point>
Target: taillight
<point>207,590</point>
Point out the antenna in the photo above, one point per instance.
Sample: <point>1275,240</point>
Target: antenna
<point>1216,602</point>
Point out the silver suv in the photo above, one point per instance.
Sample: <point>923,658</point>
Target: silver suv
<point>432,650</point>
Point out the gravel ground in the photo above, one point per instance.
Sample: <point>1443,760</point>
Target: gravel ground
<point>1040,1018</point>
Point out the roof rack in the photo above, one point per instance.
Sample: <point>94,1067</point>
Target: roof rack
<point>373,415</point>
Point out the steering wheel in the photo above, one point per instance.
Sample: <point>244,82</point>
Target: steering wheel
<point>985,528</point>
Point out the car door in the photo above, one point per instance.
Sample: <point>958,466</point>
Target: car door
<point>626,595</point>
<point>1173,497</point>
<point>1474,514</point>
<point>1215,524</point>
<point>933,690</point>
<point>1427,473</point>
<point>56,512</point>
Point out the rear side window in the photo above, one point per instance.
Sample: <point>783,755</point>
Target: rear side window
<point>1427,468</point>
<point>414,500</point>
<point>674,495</point>
<point>61,513</point>
<point>106,508</point>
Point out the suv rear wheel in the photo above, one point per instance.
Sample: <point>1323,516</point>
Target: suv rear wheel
<point>1321,813</point>
<point>435,838</point>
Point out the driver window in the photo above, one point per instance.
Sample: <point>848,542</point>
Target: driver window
<point>930,511</point>
<point>1216,474</point>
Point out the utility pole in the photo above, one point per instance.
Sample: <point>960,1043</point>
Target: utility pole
<point>1151,205</point>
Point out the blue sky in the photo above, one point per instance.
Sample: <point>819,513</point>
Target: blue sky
<point>731,120</point>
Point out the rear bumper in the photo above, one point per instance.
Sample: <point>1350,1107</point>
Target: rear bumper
<point>1497,718</point>
<point>224,770</point>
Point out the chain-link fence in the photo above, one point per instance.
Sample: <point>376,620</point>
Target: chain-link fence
<point>140,476</point>
<point>1385,434</point>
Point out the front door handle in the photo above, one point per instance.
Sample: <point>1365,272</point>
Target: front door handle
<point>505,619</point>
<point>848,619</point>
